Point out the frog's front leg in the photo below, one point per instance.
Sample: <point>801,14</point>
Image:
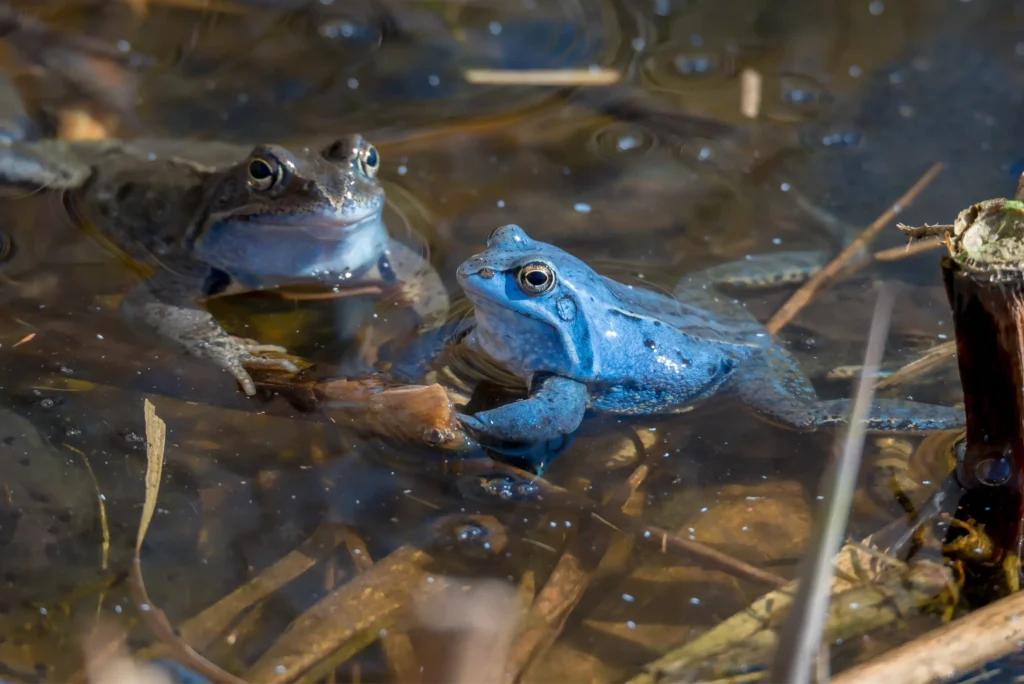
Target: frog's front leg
<point>773,385</point>
<point>554,408</point>
<point>161,304</point>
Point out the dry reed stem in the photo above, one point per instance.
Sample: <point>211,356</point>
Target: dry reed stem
<point>806,293</point>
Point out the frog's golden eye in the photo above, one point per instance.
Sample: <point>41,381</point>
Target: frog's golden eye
<point>535,278</point>
<point>264,173</point>
<point>369,160</point>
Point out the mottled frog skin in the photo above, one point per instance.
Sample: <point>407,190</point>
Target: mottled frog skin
<point>580,341</point>
<point>210,219</point>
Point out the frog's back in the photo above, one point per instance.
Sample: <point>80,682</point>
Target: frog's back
<point>704,313</point>
<point>138,197</point>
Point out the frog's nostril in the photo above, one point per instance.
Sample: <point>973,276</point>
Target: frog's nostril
<point>486,273</point>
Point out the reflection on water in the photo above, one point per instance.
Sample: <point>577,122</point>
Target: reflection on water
<point>657,175</point>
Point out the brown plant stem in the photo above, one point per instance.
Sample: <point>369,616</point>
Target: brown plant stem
<point>806,293</point>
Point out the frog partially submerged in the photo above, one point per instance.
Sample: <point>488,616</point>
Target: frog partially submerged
<point>581,341</point>
<point>211,219</point>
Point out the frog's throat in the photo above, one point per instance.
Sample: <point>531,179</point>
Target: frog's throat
<point>492,317</point>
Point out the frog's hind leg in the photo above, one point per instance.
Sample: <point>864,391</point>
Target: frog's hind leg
<point>774,387</point>
<point>758,271</point>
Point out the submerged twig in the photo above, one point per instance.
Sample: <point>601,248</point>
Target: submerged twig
<point>652,534</point>
<point>104,528</point>
<point>800,641</point>
<point>349,619</point>
<point>202,630</point>
<point>562,592</point>
<point>977,638</point>
<point>806,293</point>
<point>877,594</point>
<point>154,618</point>
<point>397,646</point>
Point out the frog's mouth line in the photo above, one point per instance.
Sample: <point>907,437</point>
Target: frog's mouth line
<point>319,227</point>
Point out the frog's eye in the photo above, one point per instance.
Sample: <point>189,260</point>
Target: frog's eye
<point>535,278</point>
<point>370,160</point>
<point>264,173</point>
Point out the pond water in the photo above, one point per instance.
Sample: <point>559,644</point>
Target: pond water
<point>735,127</point>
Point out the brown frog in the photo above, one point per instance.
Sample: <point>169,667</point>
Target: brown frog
<point>211,219</point>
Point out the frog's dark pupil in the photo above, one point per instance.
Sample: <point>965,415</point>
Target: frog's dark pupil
<point>371,158</point>
<point>537,278</point>
<point>260,170</point>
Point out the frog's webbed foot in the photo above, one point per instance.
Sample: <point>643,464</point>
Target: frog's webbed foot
<point>554,408</point>
<point>199,333</point>
<point>248,354</point>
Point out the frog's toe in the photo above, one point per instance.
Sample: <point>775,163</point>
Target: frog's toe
<point>270,363</point>
<point>242,376</point>
<point>254,347</point>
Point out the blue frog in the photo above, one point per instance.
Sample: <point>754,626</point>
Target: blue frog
<point>583,342</point>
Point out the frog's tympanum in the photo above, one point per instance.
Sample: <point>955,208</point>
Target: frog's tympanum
<point>211,219</point>
<point>583,342</point>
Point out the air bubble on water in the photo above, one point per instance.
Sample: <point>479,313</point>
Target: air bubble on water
<point>627,142</point>
<point>855,70</point>
<point>501,204</point>
<point>704,154</point>
<point>776,241</point>
<point>495,28</point>
<point>582,207</point>
<point>785,187</point>
<point>280,669</point>
<point>694,601</point>
<point>434,80</point>
<point>46,403</point>
<point>353,83</point>
<point>402,170</point>
<point>630,624</point>
<point>876,7</point>
<point>628,598</point>
<point>639,44</point>
<point>123,45</point>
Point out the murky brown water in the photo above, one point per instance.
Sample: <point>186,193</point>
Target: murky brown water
<point>859,99</point>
